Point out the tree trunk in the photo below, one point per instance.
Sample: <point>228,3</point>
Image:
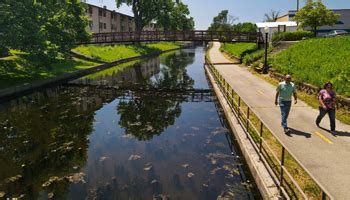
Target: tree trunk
<point>315,31</point>
<point>138,20</point>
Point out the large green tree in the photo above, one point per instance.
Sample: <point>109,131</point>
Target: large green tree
<point>175,17</point>
<point>225,22</point>
<point>168,14</point>
<point>43,28</point>
<point>314,15</point>
<point>221,22</point>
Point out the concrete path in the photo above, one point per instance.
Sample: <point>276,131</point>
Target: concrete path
<point>325,156</point>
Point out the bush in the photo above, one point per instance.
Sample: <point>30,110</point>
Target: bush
<point>249,58</point>
<point>292,35</point>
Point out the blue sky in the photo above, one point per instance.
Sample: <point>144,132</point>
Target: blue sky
<point>203,11</point>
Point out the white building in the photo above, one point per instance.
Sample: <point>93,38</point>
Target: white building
<point>273,27</point>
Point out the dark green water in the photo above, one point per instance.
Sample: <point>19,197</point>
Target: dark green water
<point>137,133</point>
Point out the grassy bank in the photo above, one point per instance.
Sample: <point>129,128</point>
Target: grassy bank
<point>18,69</point>
<point>110,53</point>
<point>317,61</point>
<point>238,49</point>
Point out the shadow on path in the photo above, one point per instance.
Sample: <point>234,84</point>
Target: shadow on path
<point>298,133</point>
<point>337,133</point>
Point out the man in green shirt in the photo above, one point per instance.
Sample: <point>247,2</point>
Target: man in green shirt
<point>284,93</point>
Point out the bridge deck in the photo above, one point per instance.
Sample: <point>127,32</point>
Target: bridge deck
<point>149,36</point>
<point>324,155</point>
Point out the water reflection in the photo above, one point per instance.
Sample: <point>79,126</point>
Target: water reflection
<point>148,115</point>
<point>95,139</point>
<point>42,137</point>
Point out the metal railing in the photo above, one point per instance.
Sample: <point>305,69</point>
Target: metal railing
<point>149,36</point>
<point>255,129</point>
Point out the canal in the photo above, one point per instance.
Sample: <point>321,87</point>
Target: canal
<point>152,130</point>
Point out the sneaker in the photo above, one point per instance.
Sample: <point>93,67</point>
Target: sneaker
<point>317,124</point>
<point>286,130</point>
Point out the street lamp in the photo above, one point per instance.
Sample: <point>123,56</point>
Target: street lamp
<point>266,67</point>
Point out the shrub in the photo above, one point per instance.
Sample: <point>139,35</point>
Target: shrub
<point>291,35</point>
<point>249,58</point>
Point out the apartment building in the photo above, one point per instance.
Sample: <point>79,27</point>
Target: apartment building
<point>343,22</point>
<point>102,20</point>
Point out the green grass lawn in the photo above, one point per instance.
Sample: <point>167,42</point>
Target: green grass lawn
<point>110,53</point>
<point>17,69</point>
<point>317,61</point>
<point>238,49</point>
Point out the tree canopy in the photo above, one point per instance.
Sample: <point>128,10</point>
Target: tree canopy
<point>314,15</point>
<point>225,22</point>
<point>175,17</point>
<point>166,14</point>
<point>43,28</point>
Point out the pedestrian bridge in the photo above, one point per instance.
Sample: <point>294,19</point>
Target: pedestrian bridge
<point>158,36</point>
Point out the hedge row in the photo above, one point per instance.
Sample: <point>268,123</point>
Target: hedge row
<point>292,36</point>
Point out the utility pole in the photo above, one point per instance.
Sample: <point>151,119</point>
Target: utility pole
<point>297,5</point>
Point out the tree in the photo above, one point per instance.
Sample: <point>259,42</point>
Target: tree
<point>245,27</point>
<point>166,13</point>
<point>222,22</point>
<point>272,16</point>
<point>314,15</point>
<point>175,17</point>
<point>43,28</point>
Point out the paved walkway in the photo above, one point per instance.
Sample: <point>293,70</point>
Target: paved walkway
<point>325,156</point>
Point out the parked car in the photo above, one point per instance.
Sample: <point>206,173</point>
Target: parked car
<point>337,33</point>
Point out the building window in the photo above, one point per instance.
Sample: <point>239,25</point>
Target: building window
<point>104,13</point>
<point>100,12</point>
<point>122,28</point>
<point>100,25</point>
<point>104,26</point>
<point>91,24</point>
<point>90,10</point>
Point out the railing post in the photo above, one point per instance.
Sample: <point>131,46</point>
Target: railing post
<point>261,138</point>
<point>281,176</point>
<point>239,106</point>
<point>232,98</point>
<point>248,114</point>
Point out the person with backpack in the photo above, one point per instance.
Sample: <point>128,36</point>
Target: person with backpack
<point>327,100</point>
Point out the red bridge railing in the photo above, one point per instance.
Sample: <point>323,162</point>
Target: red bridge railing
<point>149,36</point>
